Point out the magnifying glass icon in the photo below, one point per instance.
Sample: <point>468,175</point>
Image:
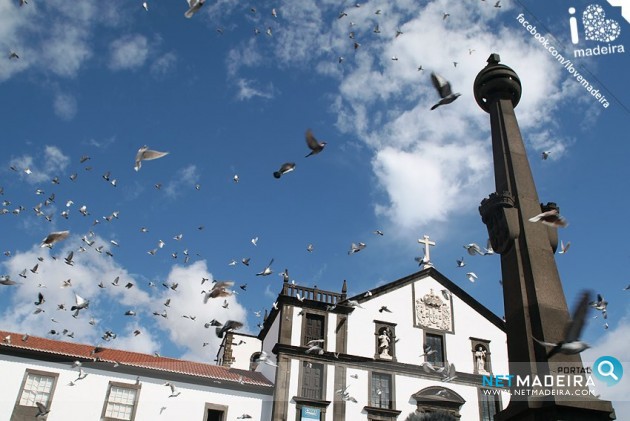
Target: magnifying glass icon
<point>610,372</point>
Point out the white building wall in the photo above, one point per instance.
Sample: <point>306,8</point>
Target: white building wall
<point>242,353</point>
<point>467,323</point>
<point>269,342</point>
<point>86,399</point>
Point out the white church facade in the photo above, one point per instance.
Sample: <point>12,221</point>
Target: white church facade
<point>419,344</point>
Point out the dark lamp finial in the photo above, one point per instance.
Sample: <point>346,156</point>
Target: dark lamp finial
<point>493,59</point>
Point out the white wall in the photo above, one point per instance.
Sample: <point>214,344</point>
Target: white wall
<point>242,353</point>
<point>269,342</point>
<point>85,400</point>
<point>467,323</point>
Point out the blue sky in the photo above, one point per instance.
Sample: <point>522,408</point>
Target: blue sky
<point>103,79</point>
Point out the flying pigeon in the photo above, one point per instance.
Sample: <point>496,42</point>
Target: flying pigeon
<point>461,263</point>
<point>545,155</point>
<point>40,299</point>
<point>54,237</point>
<point>450,373</point>
<point>174,391</point>
<point>473,249</point>
<point>471,276</point>
<point>219,289</point>
<point>551,218</point>
<point>564,247</point>
<point>600,304</point>
<point>571,343</point>
<point>444,90</point>
<point>355,248</point>
<point>428,350</point>
<point>194,6</point>
<point>68,259</point>
<point>264,358</point>
<point>229,325</point>
<point>81,303</point>
<point>313,144</point>
<point>353,303</point>
<point>384,309</point>
<point>42,411</point>
<point>82,375</point>
<point>267,270</point>
<point>144,153</point>
<point>285,168</point>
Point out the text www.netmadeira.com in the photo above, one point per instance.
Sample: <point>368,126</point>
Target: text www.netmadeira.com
<point>568,65</point>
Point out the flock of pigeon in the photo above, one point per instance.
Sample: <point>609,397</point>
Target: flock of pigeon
<point>222,289</point>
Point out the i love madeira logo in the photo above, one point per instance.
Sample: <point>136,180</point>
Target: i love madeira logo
<point>596,27</point>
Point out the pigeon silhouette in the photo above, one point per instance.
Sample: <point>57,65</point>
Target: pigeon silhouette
<point>444,90</point>
<point>285,168</point>
<point>571,344</point>
<point>146,154</point>
<point>313,144</point>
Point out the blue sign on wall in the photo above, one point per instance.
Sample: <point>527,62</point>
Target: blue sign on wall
<point>309,414</point>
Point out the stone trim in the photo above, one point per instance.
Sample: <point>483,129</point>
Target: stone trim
<point>23,413</point>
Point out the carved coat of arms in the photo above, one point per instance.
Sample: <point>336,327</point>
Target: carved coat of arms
<point>432,312</point>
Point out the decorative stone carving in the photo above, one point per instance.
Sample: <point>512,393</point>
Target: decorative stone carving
<point>500,215</point>
<point>433,313</point>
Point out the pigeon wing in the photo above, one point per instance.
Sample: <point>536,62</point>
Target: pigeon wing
<point>442,85</point>
<point>149,155</point>
<point>574,329</point>
<point>311,142</point>
<point>80,300</point>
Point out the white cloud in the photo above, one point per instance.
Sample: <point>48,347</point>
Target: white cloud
<point>188,300</point>
<point>65,106</point>
<point>185,178</point>
<point>612,344</point>
<point>430,164</point>
<point>247,91</point>
<point>66,50</point>
<point>53,162</point>
<point>88,270</point>
<point>164,65</point>
<point>128,52</point>
<point>108,305</point>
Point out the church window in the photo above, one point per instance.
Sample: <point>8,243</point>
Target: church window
<point>312,380</point>
<point>381,391</point>
<point>314,328</point>
<point>436,342</point>
<point>37,387</point>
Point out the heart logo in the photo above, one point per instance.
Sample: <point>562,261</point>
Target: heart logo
<point>597,27</point>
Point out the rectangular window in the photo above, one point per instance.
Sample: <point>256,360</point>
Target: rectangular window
<point>312,380</point>
<point>489,404</point>
<point>381,393</point>
<point>37,388</point>
<point>436,342</point>
<point>120,403</point>
<point>314,327</point>
<point>214,415</point>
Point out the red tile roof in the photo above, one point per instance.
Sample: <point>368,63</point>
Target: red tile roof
<point>128,358</point>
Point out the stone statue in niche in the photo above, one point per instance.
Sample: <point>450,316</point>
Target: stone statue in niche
<point>480,360</point>
<point>384,339</point>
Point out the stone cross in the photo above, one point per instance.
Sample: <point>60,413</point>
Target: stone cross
<point>427,257</point>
